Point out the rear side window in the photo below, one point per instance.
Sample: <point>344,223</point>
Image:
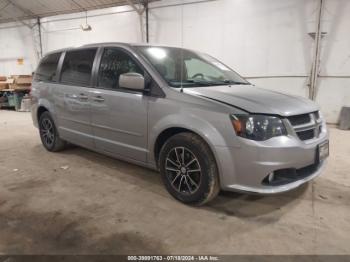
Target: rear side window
<point>115,62</point>
<point>46,70</point>
<point>77,67</point>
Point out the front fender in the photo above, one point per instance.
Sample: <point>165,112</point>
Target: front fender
<point>204,129</point>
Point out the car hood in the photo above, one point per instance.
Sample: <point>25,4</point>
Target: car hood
<point>256,100</point>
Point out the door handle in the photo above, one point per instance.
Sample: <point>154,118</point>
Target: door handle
<point>99,99</point>
<point>71,96</point>
<point>83,97</point>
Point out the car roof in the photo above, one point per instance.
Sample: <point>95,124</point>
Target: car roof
<point>95,45</point>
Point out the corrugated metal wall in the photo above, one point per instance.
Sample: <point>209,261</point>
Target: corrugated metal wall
<point>265,40</point>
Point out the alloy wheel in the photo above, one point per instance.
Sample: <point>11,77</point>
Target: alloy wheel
<point>47,132</point>
<point>183,170</point>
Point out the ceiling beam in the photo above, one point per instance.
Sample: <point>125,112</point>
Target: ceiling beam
<point>22,9</point>
<point>137,9</point>
<point>28,13</point>
<point>31,13</point>
<point>16,19</point>
<point>78,5</point>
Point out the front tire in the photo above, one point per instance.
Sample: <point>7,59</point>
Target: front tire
<point>188,169</point>
<point>49,135</point>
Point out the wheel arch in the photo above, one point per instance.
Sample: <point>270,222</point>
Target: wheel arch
<point>173,124</point>
<point>42,106</point>
<point>169,132</point>
<point>164,136</point>
<point>41,109</point>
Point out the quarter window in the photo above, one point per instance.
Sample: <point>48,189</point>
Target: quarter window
<point>115,62</point>
<point>47,68</point>
<point>77,67</point>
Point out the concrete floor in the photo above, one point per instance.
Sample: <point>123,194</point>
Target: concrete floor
<point>79,202</point>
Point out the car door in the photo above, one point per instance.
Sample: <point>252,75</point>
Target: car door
<point>119,116</point>
<point>72,97</point>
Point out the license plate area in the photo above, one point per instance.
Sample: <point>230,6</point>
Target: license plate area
<point>322,151</point>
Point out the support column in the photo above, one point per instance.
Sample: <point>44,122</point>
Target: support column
<point>316,58</point>
<point>40,39</point>
<point>37,40</point>
<point>140,10</point>
<point>147,20</point>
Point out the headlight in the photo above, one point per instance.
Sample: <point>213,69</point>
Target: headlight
<point>258,127</point>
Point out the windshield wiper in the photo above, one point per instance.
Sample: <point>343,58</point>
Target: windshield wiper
<point>232,82</point>
<point>199,82</point>
<point>217,82</point>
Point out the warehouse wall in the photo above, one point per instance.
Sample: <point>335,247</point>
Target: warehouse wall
<point>120,24</point>
<point>111,24</point>
<point>334,86</point>
<point>16,43</point>
<point>266,41</point>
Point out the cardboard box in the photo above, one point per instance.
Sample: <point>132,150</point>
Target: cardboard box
<point>23,80</point>
<point>10,82</point>
<point>19,76</point>
<point>3,82</point>
<point>3,85</point>
<point>19,87</point>
<point>20,82</point>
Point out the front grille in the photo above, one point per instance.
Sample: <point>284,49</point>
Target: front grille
<point>306,135</point>
<point>306,126</point>
<point>299,119</point>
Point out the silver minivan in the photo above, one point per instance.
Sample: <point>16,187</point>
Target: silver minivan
<point>181,112</point>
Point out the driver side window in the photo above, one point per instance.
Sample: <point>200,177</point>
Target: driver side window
<point>114,63</point>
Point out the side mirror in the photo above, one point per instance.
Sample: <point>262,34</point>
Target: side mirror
<point>132,81</point>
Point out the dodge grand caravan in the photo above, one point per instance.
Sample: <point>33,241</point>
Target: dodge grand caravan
<point>181,112</point>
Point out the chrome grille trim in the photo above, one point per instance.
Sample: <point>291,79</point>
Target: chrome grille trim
<point>314,124</point>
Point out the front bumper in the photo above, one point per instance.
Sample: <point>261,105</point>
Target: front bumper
<point>278,189</point>
<point>244,168</point>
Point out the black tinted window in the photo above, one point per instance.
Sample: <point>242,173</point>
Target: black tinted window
<point>77,67</point>
<point>46,71</point>
<point>115,62</point>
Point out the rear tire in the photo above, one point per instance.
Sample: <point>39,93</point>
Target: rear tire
<point>188,169</point>
<point>49,135</point>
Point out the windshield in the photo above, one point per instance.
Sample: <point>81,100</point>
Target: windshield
<point>184,68</point>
